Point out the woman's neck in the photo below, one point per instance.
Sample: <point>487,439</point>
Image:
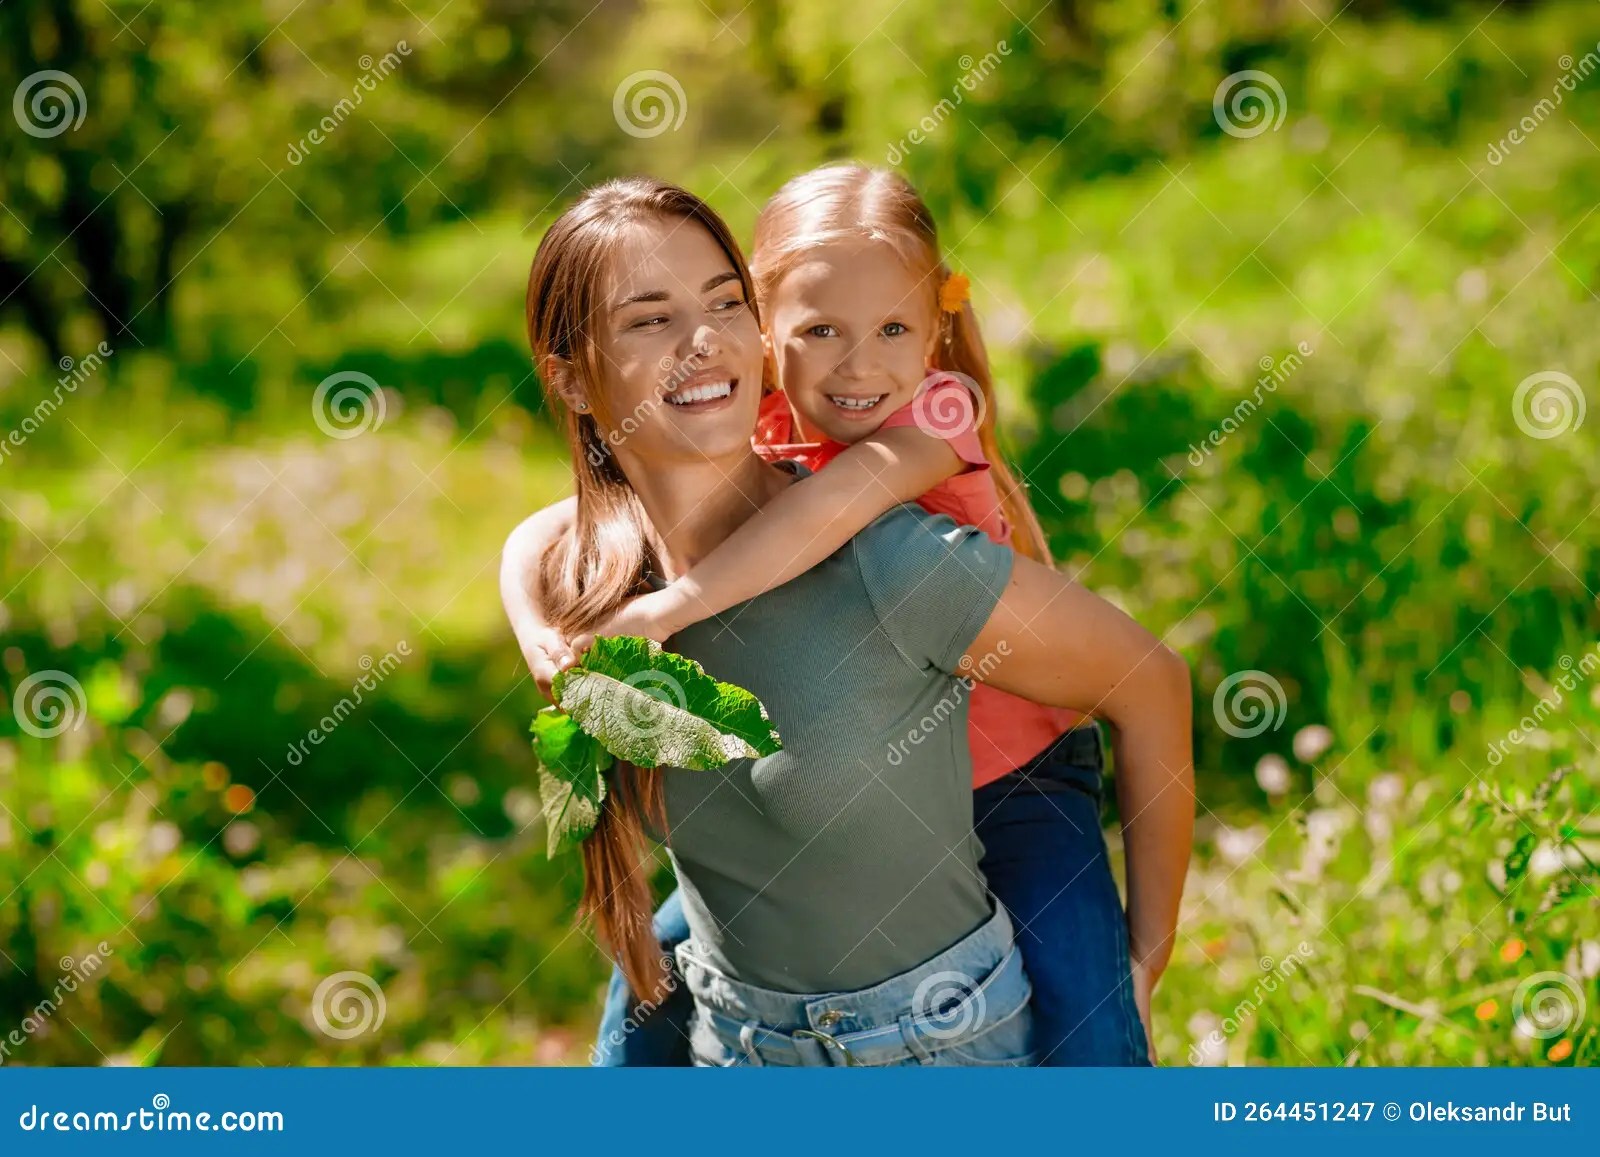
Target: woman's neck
<point>694,506</point>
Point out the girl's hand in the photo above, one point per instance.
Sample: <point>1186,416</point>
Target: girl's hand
<point>655,615</point>
<point>1144,986</point>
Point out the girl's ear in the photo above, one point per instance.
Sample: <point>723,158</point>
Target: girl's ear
<point>563,380</point>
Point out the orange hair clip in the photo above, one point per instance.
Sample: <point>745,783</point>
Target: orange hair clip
<point>954,293</point>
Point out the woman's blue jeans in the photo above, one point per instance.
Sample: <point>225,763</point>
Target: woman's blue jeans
<point>1045,859</point>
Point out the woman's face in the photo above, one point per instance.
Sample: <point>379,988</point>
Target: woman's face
<point>852,330</point>
<point>679,349</point>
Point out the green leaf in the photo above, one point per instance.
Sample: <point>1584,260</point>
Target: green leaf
<point>572,786</point>
<point>570,754</point>
<point>569,814</point>
<point>1517,859</point>
<point>653,708</point>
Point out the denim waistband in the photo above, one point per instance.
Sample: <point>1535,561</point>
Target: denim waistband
<point>963,991</point>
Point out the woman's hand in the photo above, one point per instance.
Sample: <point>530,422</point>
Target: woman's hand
<point>543,648</point>
<point>1144,986</point>
<point>547,654</point>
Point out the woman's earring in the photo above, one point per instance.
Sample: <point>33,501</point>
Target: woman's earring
<point>581,407</point>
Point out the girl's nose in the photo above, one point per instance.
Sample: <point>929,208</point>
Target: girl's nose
<point>859,362</point>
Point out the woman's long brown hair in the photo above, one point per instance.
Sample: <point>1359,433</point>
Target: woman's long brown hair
<point>604,560</point>
<point>852,201</point>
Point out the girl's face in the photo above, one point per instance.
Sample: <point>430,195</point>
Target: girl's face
<point>852,332</point>
<point>679,349</point>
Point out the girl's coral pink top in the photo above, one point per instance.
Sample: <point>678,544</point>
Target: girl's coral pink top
<point>1004,730</point>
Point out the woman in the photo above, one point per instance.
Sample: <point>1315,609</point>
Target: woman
<point>832,891</point>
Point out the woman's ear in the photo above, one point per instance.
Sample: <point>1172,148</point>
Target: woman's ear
<point>563,382</point>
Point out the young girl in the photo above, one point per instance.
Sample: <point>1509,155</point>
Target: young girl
<point>884,390</point>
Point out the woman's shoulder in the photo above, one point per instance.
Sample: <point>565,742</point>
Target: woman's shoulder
<point>907,543</point>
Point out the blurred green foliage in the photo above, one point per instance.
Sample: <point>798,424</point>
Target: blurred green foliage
<point>1378,535</point>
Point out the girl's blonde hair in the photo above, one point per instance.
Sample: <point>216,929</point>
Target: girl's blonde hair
<point>850,201</point>
<point>589,573</point>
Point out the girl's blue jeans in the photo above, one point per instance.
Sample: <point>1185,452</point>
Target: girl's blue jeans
<point>1046,862</point>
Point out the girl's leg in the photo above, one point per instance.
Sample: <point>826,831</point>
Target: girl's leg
<point>635,1036</point>
<point>1045,859</point>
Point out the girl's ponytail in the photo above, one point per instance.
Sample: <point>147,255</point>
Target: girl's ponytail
<point>962,351</point>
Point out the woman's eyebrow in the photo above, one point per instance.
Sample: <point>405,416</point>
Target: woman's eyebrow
<point>665,295</point>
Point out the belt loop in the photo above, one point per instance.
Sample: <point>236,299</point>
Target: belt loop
<point>913,1040</point>
<point>747,1042</point>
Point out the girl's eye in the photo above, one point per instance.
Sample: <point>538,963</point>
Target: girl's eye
<point>823,331</point>
<point>648,322</point>
<point>730,303</point>
<point>894,329</point>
